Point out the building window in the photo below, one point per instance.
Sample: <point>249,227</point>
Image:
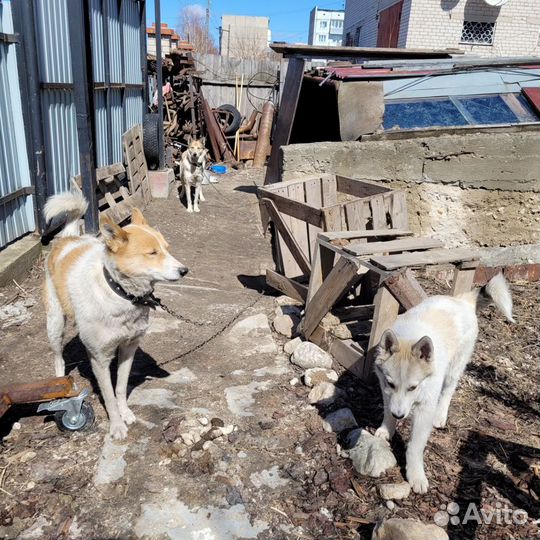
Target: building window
<point>322,38</point>
<point>479,33</point>
<point>322,24</point>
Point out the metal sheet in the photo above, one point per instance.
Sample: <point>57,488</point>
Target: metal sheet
<point>17,215</point>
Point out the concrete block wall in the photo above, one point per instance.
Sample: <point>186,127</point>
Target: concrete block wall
<point>364,14</point>
<point>473,189</point>
<point>439,24</point>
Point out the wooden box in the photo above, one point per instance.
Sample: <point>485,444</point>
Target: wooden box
<point>299,209</point>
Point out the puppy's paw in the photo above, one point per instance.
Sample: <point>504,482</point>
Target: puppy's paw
<point>201,198</point>
<point>118,430</point>
<point>127,416</point>
<point>439,420</point>
<point>383,433</point>
<point>418,481</point>
<point>197,209</point>
<point>190,210</point>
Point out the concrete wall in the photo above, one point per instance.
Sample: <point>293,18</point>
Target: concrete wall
<point>471,188</point>
<point>244,36</point>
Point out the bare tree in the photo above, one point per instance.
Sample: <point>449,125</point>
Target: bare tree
<point>193,28</point>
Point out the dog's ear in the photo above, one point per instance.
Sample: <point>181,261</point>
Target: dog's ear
<point>423,349</point>
<point>115,237</point>
<point>137,217</point>
<point>388,345</point>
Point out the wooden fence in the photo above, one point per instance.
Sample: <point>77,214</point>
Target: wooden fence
<point>221,75</point>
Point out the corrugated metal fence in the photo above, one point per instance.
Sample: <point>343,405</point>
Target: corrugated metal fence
<point>117,42</point>
<point>16,204</point>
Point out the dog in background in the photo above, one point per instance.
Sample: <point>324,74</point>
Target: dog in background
<point>192,167</point>
<point>106,285</point>
<point>420,360</point>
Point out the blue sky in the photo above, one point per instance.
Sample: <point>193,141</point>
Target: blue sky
<point>289,19</point>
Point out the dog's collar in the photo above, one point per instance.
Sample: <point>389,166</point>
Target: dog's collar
<point>148,300</point>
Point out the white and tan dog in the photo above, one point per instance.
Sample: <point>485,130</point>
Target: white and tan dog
<point>106,286</point>
<point>420,360</point>
<point>192,167</point>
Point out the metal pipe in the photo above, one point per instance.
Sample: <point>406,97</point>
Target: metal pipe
<point>83,95</point>
<point>24,24</point>
<point>262,149</point>
<point>159,76</point>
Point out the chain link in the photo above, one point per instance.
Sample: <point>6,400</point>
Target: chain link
<point>177,315</point>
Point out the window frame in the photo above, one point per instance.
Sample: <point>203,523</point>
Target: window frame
<point>478,43</point>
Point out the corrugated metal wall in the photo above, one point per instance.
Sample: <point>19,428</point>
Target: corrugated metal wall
<point>16,214</point>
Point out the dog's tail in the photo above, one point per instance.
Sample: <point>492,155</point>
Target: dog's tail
<point>70,203</point>
<point>496,291</point>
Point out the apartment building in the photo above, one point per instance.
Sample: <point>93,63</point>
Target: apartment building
<point>326,27</point>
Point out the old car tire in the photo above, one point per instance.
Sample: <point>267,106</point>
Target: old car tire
<point>234,125</point>
<point>150,140</point>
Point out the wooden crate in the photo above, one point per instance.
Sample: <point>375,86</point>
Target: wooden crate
<point>299,209</point>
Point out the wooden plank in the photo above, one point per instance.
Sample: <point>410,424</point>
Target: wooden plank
<point>329,190</point>
<point>286,115</point>
<point>358,188</point>
<point>368,233</point>
<point>399,213</point>
<point>406,290</point>
<point>287,264</point>
<point>324,262</point>
<point>346,353</point>
<point>288,237</point>
<point>377,212</point>
<point>313,198</point>
<point>332,218</point>
<point>340,279</point>
<point>435,256</point>
<point>354,215</point>
<point>402,244</point>
<point>463,280</point>
<point>287,286</point>
<point>103,173</point>
<point>299,228</point>
<point>351,313</point>
<point>292,208</point>
<point>385,313</point>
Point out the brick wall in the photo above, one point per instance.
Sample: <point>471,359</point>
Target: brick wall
<point>438,24</point>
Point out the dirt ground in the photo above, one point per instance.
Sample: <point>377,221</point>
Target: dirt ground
<point>276,474</point>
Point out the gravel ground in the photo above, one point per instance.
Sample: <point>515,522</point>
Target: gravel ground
<point>273,472</point>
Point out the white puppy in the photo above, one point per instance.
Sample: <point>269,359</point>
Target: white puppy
<point>106,286</point>
<point>420,360</point>
<point>193,165</point>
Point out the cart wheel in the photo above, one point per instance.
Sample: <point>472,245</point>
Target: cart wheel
<point>82,422</point>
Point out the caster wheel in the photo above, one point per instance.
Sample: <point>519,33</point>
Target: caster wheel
<point>85,419</point>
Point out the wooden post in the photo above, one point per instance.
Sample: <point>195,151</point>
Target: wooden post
<point>286,114</point>
<point>322,264</point>
<point>406,290</point>
<point>464,277</point>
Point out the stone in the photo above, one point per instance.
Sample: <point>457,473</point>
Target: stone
<point>394,491</point>
<point>308,355</point>
<point>290,346</point>
<point>321,476</point>
<point>323,394</point>
<point>339,420</point>
<point>390,505</point>
<point>315,376</point>
<point>407,529</point>
<point>294,381</point>
<point>370,455</point>
<point>287,301</point>
<point>341,331</point>
<point>286,325</point>
<point>329,321</point>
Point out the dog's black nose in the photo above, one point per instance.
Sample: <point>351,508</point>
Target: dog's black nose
<point>398,416</point>
<point>183,271</point>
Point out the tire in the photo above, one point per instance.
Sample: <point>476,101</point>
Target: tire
<point>236,118</point>
<point>85,420</point>
<point>150,140</point>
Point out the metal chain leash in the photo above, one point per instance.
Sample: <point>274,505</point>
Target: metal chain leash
<point>177,315</point>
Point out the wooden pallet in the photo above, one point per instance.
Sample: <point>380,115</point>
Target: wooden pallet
<point>377,267</point>
<point>300,209</point>
<point>137,169</point>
